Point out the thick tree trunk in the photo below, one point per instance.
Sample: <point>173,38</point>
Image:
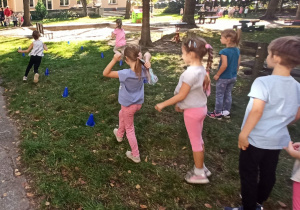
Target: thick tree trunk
<point>84,4</point>
<point>298,12</point>
<point>270,13</point>
<point>189,12</point>
<point>128,8</point>
<point>26,13</point>
<point>145,36</point>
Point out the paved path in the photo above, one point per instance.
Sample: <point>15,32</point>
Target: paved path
<point>12,192</point>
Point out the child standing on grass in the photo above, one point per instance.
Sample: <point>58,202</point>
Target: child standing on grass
<point>274,104</point>
<point>119,34</point>
<point>37,48</point>
<point>294,151</point>
<point>190,98</point>
<point>226,76</point>
<point>131,94</point>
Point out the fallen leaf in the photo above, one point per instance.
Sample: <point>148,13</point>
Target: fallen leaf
<point>29,195</point>
<point>17,112</point>
<point>34,133</point>
<point>110,159</point>
<point>18,158</point>
<point>18,174</point>
<point>283,205</point>
<point>175,164</point>
<point>146,159</point>
<point>111,184</point>
<point>98,134</point>
<point>143,206</point>
<point>76,169</point>
<point>153,163</point>
<point>47,203</point>
<point>183,148</point>
<point>4,194</point>
<point>16,170</point>
<point>207,205</point>
<point>94,151</point>
<point>162,208</point>
<point>138,186</point>
<point>161,150</point>
<point>129,171</point>
<point>81,181</point>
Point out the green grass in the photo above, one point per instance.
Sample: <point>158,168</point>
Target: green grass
<point>75,166</point>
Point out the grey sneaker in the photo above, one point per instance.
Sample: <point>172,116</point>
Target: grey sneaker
<point>24,78</point>
<point>134,159</point>
<point>119,139</point>
<point>192,178</point>
<point>36,78</point>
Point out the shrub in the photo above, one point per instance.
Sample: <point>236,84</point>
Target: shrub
<point>41,11</point>
<point>174,7</point>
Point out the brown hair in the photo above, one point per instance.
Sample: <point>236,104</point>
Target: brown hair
<point>288,49</point>
<point>119,23</point>
<point>132,52</point>
<point>200,47</point>
<point>35,35</point>
<point>235,36</point>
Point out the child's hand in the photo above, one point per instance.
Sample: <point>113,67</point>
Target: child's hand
<point>216,77</point>
<point>177,109</point>
<point>243,141</point>
<point>292,149</point>
<point>147,65</point>
<point>117,56</point>
<point>206,82</point>
<point>159,107</point>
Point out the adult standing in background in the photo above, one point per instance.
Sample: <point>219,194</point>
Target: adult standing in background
<point>7,13</point>
<point>2,17</point>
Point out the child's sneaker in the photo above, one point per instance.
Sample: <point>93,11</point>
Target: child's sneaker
<point>258,207</point>
<point>225,114</point>
<point>213,115</point>
<point>36,78</point>
<point>192,178</point>
<point>207,172</point>
<point>134,159</point>
<point>119,139</point>
<point>24,78</point>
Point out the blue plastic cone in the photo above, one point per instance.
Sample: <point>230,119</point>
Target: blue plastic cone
<point>102,55</point>
<point>65,94</point>
<point>47,72</point>
<point>121,62</point>
<point>68,42</point>
<point>81,47</point>
<point>90,121</point>
<point>23,54</point>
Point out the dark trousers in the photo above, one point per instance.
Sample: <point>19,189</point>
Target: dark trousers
<point>34,61</point>
<point>258,175</point>
<point>15,23</point>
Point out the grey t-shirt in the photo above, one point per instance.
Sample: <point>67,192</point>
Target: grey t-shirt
<point>38,48</point>
<point>194,77</point>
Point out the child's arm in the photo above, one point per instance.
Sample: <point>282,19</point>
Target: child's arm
<point>252,119</point>
<point>147,58</point>
<point>107,71</point>
<point>183,92</point>
<point>297,117</point>
<point>222,67</point>
<point>26,51</point>
<point>293,149</point>
<point>113,35</point>
<point>45,47</point>
<point>239,63</point>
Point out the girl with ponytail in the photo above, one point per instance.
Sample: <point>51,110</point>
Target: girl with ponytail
<point>190,98</point>
<point>131,94</point>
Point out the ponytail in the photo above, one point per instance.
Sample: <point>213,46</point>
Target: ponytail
<point>209,59</point>
<point>138,68</point>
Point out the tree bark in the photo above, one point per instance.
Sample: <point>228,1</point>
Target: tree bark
<point>189,12</point>
<point>128,8</point>
<point>270,13</point>
<point>298,12</point>
<point>145,35</point>
<point>84,4</point>
<point>26,13</point>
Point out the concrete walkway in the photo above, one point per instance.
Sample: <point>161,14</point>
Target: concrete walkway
<point>12,192</point>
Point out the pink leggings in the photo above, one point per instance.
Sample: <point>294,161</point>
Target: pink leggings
<point>126,123</point>
<point>193,119</point>
<point>296,196</point>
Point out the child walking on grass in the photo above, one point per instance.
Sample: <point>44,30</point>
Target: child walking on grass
<point>131,94</point>
<point>37,48</point>
<point>190,98</point>
<point>119,34</point>
<point>294,150</point>
<point>226,76</point>
<point>274,104</point>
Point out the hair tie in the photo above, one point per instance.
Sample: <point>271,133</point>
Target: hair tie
<point>208,46</point>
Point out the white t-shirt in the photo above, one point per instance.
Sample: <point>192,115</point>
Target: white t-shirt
<point>194,77</point>
<point>38,48</point>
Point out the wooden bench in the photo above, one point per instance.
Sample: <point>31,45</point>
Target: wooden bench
<point>212,18</point>
<point>235,27</point>
<point>41,30</point>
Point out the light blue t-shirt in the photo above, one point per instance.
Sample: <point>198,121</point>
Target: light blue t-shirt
<point>131,89</point>
<point>232,54</point>
<point>282,97</point>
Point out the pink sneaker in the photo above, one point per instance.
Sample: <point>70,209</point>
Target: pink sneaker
<point>192,178</point>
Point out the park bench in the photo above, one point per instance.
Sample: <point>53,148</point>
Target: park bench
<point>41,30</point>
<point>206,15</point>
<point>213,19</point>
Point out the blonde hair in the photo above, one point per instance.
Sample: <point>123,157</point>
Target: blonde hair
<point>235,36</point>
<point>132,52</point>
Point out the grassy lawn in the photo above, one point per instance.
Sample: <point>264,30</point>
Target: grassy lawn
<point>72,165</point>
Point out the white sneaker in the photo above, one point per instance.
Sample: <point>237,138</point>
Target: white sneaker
<point>119,139</point>
<point>24,78</point>
<point>134,159</point>
<point>225,114</point>
<point>206,171</point>
<point>192,178</point>
<point>36,78</point>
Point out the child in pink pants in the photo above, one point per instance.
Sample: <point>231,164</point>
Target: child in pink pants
<point>190,97</point>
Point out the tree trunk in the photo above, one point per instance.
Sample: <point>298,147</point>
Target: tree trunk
<point>84,4</point>
<point>270,13</point>
<point>298,12</point>
<point>145,35</point>
<point>189,12</point>
<point>26,13</point>
<point>128,7</point>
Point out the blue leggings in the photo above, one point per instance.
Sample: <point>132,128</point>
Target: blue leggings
<point>223,94</point>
